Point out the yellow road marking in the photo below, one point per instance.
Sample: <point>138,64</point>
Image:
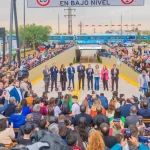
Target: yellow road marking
<point>126,78</point>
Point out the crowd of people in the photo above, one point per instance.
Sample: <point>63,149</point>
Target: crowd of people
<point>138,59</point>
<point>30,122</point>
<point>38,57</point>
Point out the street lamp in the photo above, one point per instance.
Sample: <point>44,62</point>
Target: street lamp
<point>24,41</point>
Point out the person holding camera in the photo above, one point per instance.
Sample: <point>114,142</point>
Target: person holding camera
<point>81,75</point>
<point>90,72</point>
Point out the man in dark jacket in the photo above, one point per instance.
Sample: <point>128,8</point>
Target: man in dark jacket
<point>125,110</point>
<point>110,141</point>
<point>82,114</point>
<point>11,107</point>
<point>145,111</point>
<point>29,119</point>
<point>104,101</point>
<point>18,119</point>
<point>133,118</point>
<point>100,115</point>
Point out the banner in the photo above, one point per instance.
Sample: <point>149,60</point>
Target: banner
<point>90,47</point>
<point>82,3</point>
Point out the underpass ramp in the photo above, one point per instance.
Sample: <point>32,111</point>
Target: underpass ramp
<point>88,56</point>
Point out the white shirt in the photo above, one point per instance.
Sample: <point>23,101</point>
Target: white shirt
<point>76,109</point>
<point>19,92</point>
<point>57,111</point>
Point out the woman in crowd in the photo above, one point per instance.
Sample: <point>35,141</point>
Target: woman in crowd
<point>117,128</point>
<point>96,77</point>
<point>111,109</point>
<point>25,108</point>
<point>96,141</point>
<point>82,130</point>
<point>44,97</point>
<point>93,111</point>
<point>85,103</point>
<point>117,116</point>
<point>6,134</point>
<point>66,104</point>
<point>63,77</point>
<point>66,129</point>
<point>105,77</point>
<point>51,118</point>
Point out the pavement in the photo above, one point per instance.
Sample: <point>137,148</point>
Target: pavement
<point>124,86</point>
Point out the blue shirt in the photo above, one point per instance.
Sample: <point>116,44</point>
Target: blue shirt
<point>145,83</point>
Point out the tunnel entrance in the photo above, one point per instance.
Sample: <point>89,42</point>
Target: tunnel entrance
<point>86,56</point>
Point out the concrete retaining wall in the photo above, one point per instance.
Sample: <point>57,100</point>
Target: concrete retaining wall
<point>124,69</point>
<point>63,58</point>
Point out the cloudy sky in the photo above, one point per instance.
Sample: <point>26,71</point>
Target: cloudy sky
<point>95,15</point>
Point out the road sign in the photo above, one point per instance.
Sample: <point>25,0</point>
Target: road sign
<point>82,3</point>
<point>127,2</point>
<point>43,3</point>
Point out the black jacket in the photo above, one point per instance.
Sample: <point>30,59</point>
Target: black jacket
<point>10,110</point>
<point>77,117</point>
<point>105,118</point>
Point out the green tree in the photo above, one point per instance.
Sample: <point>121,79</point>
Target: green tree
<point>35,34</point>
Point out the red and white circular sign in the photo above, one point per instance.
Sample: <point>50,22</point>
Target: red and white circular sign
<point>127,2</point>
<point>43,2</point>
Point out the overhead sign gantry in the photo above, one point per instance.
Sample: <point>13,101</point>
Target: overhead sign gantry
<point>83,3</point>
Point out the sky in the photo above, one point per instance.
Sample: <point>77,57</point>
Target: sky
<point>86,15</point>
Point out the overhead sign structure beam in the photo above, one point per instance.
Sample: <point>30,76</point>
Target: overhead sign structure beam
<point>82,3</point>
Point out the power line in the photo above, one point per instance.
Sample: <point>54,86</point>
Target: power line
<point>70,15</point>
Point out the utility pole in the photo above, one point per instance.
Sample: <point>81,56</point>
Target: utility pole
<point>13,13</point>
<point>58,25</point>
<point>94,30</point>
<point>70,15</point>
<point>121,27</point>
<point>81,28</point>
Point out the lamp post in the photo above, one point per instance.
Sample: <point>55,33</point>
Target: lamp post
<point>24,41</point>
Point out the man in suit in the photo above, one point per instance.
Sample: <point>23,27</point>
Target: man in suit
<point>71,72</point>
<point>82,114</point>
<point>46,73</point>
<point>148,73</point>
<point>114,77</point>
<point>54,71</point>
<point>133,118</point>
<point>16,92</point>
<point>81,75</point>
<point>90,72</point>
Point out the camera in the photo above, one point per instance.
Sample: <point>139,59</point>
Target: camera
<point>140,121</point>
<point>127,134</point>
<point>116,120</point>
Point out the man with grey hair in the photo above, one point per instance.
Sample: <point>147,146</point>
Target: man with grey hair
<point>133,118</point>
<point>53,128</point>
<point>29,119</point>
<point>36,114</point>
<point>11,107</point>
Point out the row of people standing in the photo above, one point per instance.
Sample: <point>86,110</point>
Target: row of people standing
<point>93,76</point>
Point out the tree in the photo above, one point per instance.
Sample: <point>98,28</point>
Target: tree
<point>34,34</point>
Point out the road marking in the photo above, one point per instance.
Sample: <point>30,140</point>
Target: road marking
<point>126,78</point>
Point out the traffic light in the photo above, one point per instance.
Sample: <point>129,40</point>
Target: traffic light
<point>2,32</point>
